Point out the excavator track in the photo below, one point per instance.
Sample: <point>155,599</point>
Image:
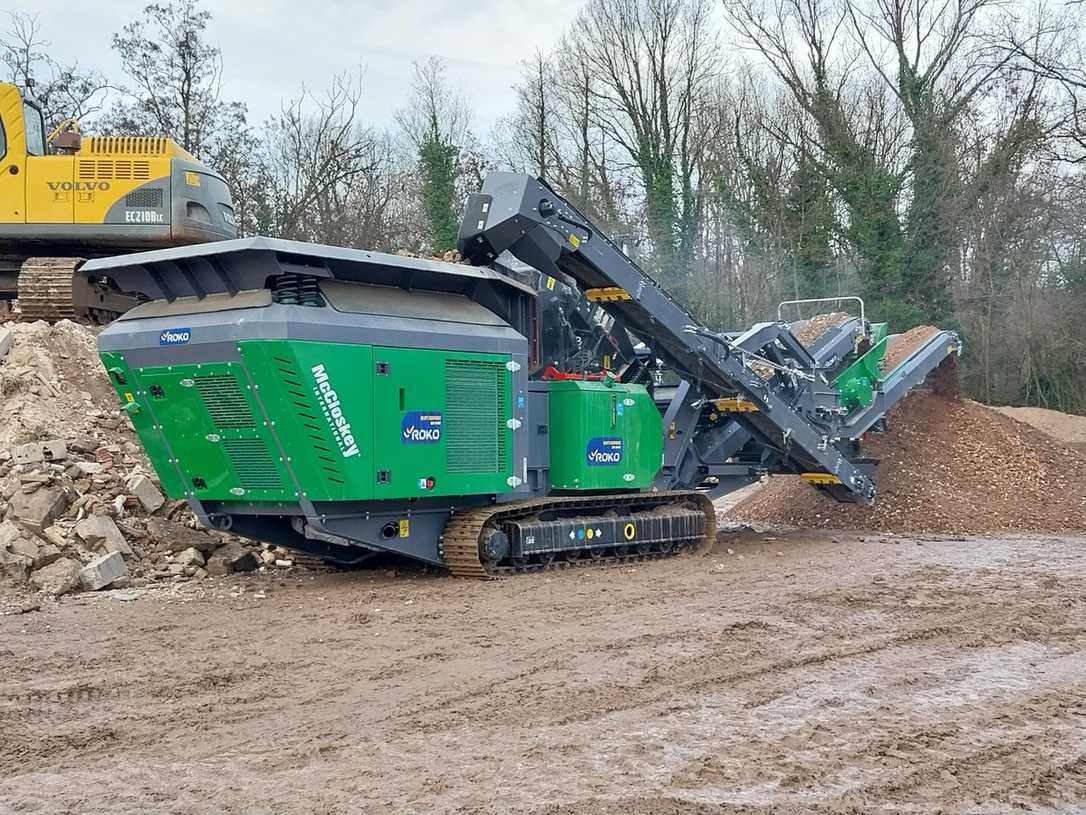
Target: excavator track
<point>462,538</point>
<point>51,289</point>
<point>46,288</point>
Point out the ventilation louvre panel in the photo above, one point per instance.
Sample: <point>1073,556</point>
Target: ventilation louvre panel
<point>113,170</point>
<point>225,402</point>
<point>255,468</point>
<point>307,416</point>
<point>140,145</point>
<point>476,406</point>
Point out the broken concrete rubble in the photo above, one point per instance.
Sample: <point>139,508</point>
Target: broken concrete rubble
<point>57,578</point>
<point>14,567</point>
<point>86,488</point>
<point>84,444</point>
<point>56,536</point>
<point>47,553</point>
<point>40,553</point>
<point>190,557</point>
<point>103,571</point>
<point>146,492</point>
<point>102,534</point>
<point>40,508</point>
<point>178,537</point>
<point>231,557</point>
<point>38,451</point>
<point>9,533</point>
<point>81,469</point>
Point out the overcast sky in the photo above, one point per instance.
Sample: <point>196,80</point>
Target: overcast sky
<point>271,47</point>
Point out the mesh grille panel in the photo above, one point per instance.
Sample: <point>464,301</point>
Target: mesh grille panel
<point>255,468</point>
<point>477,406</point>
<point>224,401</point>
<point>147,197</point>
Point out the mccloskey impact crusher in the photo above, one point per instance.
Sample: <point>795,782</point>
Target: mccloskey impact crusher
<point>548,401</point>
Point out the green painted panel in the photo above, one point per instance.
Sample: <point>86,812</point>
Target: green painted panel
<point>214,428</point>
<point>134,401</point>
<point>440,423</point>
<point>858,381</point>
<point>336,422</point>
<point>603,435</point>
<point>320,398</point>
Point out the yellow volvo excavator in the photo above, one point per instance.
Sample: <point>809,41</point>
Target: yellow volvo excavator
<point>65,198</point>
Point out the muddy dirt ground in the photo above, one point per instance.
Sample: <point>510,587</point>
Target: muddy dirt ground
<point>809,673</point>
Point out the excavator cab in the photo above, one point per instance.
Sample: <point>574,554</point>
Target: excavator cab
<point>22,137</point>
<point>83,197</point>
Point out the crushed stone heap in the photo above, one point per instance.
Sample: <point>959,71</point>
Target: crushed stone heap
<point>947,465</point>
<point>1065,427</point>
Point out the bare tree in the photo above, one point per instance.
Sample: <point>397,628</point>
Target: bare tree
<point>437,111</point>
<point>63,91</point>
<point>553,132</point>
<point>652,63</point>
<point>1052,48</point>
<point>933,63</point>
<point>534,123</point>
<point>317,150</point>
<point>176,77</point>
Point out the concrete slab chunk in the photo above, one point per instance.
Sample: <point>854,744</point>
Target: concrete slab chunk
<point>231,557</point>
<point>37,451</point>
<point>27,547</point>
<point>179,537</point>
<point>47,553</point>
<point>101,572</point>
<point>81,469</point>
<point>9,534</point>
<point>190,557</point>
<point>14,567</point>
<point>57,578</point>
<point>38,510</point>
<point>146,492</point>
<point>101,533</point>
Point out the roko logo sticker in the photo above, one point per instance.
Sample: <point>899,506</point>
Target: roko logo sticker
<point>174,336</point>
<point>603,450</point>
<point>421,427</point>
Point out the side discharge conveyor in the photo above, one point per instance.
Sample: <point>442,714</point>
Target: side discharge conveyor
<point>345,403</point>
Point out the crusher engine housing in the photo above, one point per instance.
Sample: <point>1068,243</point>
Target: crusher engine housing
<point>345,403</point>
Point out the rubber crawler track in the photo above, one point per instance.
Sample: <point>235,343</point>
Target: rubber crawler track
<point>460,541</point>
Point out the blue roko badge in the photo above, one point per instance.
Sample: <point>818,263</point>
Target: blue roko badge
<point>603,450</point>
<point>421,427</point>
